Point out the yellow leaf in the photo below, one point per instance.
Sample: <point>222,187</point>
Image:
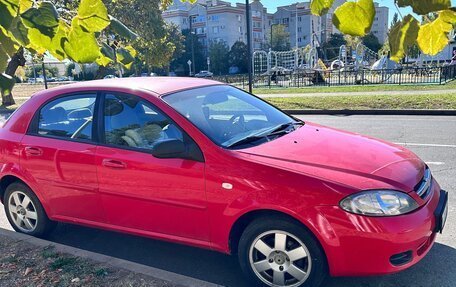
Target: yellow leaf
<point>433,37</point>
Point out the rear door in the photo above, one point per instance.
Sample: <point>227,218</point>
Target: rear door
<point>139,191</point>
<point>58,153</point>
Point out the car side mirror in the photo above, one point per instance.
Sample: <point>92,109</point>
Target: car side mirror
<point>171,148</point>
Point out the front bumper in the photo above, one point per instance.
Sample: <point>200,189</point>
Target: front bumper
<point>362,246</point>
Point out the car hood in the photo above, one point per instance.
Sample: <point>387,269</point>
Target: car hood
<point>346,158</point>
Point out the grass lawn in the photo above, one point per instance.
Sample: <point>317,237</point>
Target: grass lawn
<point>441,101</point>
<point>341,89</point>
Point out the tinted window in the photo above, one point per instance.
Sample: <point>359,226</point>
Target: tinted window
<point>132,122</point>
<point>68,117</point>
<point>226,114</point>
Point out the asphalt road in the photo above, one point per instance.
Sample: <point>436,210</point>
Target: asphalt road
<point>432,138</point>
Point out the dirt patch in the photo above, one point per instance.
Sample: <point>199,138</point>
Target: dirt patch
<point>23,264</point>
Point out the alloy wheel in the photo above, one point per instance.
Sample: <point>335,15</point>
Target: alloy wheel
<point>279,258</point>
<point>22,211</point>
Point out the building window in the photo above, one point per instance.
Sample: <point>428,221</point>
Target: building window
<point>240,29</point>
<point>285,21</point>
<point>299,29</point>
<point>256,14</point>
<point>215,30</point>
<point>300,19</point>
<point>239,18</point>
<point>215,18</point>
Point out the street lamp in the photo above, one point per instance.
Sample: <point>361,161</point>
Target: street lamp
<point>249,43</point>
<point>192,34</point>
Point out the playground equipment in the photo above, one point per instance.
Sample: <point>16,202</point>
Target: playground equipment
<point>266,63</point>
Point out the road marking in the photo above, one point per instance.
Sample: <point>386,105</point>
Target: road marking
<point>428,145</point>
<point>435,163</point>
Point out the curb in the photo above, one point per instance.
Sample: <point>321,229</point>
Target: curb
<point>374,112</point>
<point>164,275</point>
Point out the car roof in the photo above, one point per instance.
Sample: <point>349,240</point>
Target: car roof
<point>158,85</point>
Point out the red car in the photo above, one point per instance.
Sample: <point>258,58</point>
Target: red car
<point>205,164</point>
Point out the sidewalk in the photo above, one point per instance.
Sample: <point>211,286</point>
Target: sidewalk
<point>371,93</point>
<point>29,261</point>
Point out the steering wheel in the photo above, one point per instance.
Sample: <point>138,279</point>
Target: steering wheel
<point>237,123</point>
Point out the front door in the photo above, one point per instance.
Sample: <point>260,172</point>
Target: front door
<point>141,192</point>
<point>58,153</point>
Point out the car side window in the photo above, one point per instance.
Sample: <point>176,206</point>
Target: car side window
<point>69,117</point>
<point>130,121</point>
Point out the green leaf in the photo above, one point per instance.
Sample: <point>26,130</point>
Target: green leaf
<point>103,61</point>
<point>320,7</point>
<point>8,45</point>
<point>107,51</point>
<point>402,36</point>
<point>44,18</point>
<point>122,30</point>
<point>355,18</point>
<point>8,10</point>
<point>81,46</point>
<point>24,5</point>
<point>19,31</point>
<point>38,41</point>
<point>57,43</point>
<point>433,37</point>
<point>125,57</point>
<point>423,7</point>
<point>6,83</point>
<point>93,15</point>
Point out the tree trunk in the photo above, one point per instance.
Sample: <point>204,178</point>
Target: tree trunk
<point>17,60</point>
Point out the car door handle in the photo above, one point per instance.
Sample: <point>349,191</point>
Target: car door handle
<point>112,163</point>
<point>33,151</point>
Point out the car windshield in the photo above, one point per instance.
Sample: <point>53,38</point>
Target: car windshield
<point>230,117</point>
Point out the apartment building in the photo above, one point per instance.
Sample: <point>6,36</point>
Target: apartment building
<point>381,23</point>
<point>299,23</point>
<point>215,20</point>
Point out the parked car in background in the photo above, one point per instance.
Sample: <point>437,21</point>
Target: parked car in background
<point>110,77</point>
<point>204,74</point>
<point>62,79</point>
<point>202,163</point>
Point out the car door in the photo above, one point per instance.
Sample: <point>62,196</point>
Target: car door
<point>58,153</point>
<point>139,191</point>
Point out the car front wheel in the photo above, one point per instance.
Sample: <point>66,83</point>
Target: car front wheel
<point>280,252</point>
<point>25,212</point>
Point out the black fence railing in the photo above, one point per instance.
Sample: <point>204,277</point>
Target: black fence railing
<point>426,75</point>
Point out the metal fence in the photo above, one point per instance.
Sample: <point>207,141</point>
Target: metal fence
<point>426,75</point>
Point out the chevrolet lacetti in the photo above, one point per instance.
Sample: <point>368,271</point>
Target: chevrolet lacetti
<point>201,163</point>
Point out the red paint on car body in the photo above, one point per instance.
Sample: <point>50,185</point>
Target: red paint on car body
<point>304,175</point>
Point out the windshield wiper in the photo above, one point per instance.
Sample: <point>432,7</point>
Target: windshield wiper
<point>246,140</point>
<point>282,129</point>
<point>278,130</point>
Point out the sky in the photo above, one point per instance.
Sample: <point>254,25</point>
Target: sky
<point>272,5</point>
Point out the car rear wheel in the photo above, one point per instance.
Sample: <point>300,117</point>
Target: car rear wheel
<point>278,252</point>
<point>25,212</point>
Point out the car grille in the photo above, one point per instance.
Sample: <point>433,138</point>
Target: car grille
<point>424,187</point>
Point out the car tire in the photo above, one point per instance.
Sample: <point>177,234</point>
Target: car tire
<point>25,212</point>
<point>279,262</point>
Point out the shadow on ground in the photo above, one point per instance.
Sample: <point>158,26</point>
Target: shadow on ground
<point>437,269</point>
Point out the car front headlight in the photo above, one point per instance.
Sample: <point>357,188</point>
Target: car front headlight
<point>379,203</point>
